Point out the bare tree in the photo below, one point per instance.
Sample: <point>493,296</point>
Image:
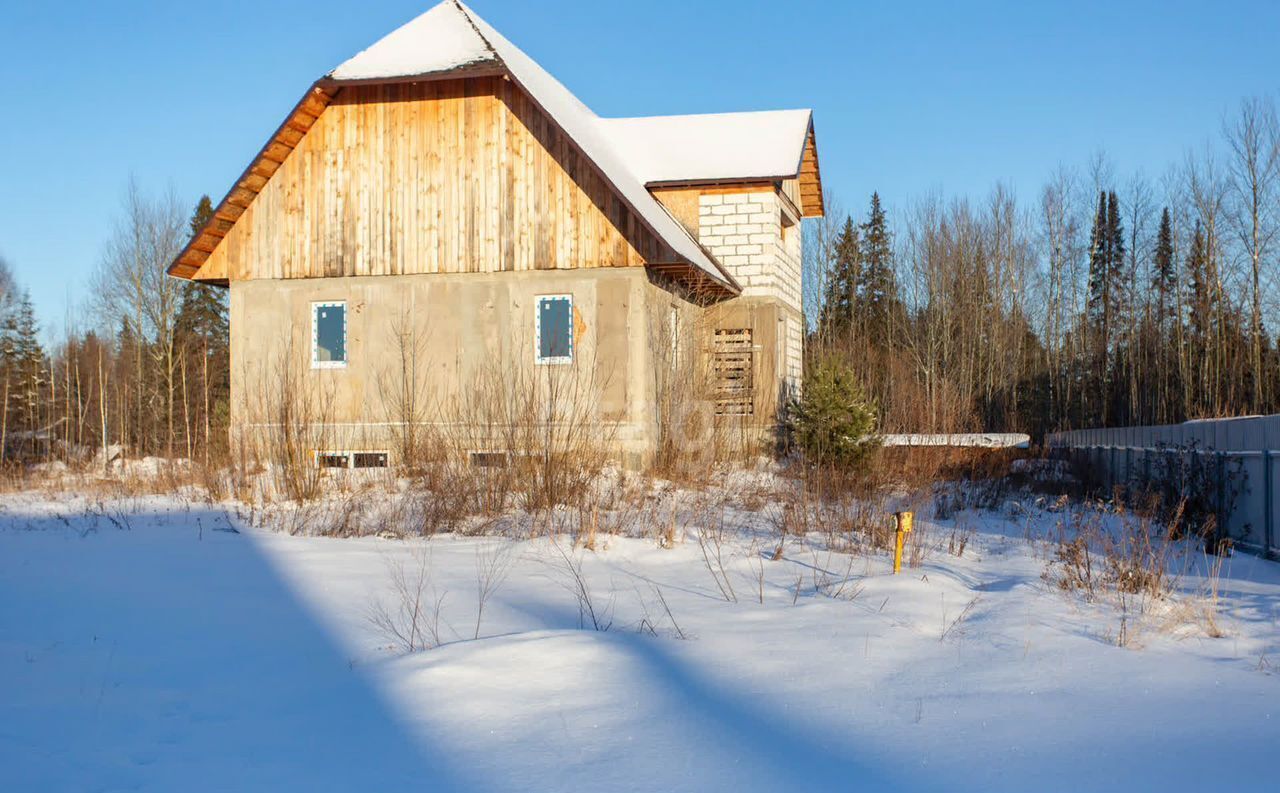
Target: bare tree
<point>1253,137</point>
<point>134,293</point>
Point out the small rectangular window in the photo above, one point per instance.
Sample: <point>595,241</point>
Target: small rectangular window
<point>369,460</point>
<point>332,460</point>
<point>555,329</point>
<point>328,335</point>
<point>329,458</point>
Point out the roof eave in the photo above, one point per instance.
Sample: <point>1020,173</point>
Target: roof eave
<point>304,113</point>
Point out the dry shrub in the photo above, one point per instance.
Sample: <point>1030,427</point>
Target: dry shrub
<point>921,468</point>
<point>697,439</point>
<point>412,622</point>
<point>532,433</point>
<point>844,507</point>
<point>1135,567</point>
<point>959,540</point>
<point>284,424</point>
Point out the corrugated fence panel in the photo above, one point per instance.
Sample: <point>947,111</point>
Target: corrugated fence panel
<point>1247,521</point>
<point>1237,453</point>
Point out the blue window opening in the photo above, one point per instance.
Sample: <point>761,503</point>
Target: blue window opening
<point>555,329</point>
<point>328,335</point>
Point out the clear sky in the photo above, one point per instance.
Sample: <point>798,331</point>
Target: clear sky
<point>909,97</point>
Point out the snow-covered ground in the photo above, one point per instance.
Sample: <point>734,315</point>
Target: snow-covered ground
<point>161,645</point>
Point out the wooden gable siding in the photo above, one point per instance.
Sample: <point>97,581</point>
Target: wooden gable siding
<point>446,176</point>
<point>811,202</point>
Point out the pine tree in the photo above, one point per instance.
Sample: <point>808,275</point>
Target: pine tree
<point>840,302</point>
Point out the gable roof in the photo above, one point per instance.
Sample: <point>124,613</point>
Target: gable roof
<point>450,39</point>
<point>765,145</point>
<point>712,147</point>
<point>441,40</point>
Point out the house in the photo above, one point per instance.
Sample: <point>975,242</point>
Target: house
<point>439,208</point>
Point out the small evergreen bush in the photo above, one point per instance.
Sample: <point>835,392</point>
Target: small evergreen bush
<point>833,422</point>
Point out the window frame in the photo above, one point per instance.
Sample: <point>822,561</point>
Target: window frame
<point>316,363</point>
<point>551,360</point>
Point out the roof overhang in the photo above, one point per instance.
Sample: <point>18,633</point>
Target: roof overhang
<point>268,160</point>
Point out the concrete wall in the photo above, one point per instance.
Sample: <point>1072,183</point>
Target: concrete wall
<point>460,326</point>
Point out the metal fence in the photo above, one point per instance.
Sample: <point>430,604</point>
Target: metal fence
<point>1239,457</point>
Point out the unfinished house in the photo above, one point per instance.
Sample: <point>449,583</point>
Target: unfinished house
<point>441,235</point>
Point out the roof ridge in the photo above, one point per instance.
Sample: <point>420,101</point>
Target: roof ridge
<point>466,14</point>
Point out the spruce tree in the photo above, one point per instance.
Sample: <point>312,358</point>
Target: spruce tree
<point>201,214</point>
<point>24,365</point>
<point>832,421</point>
<point>840,302</point>
<point>1165,277</point>
<point>201,323</point>
<point>878,299</point>
<point>1118,274</point>
<point>1200,286</point>
<point>202,332</point>
<point>1098,307</point>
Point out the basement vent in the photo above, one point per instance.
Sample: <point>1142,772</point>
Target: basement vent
<point>732,366</point>
<point>369,460</point>
<point>332,460</point>
<point>489,459</point>
<point>335,459</point>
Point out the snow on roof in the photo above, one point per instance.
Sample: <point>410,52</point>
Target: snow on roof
<point>452,36</point>
<point>715,146</point>
<point>440,40</point>
<point>584,127</point>
<point>631,152</point>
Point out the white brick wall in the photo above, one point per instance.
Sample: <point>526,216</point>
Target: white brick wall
<point>744,231</point>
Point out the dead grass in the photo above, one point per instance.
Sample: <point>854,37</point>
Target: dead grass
<point>1137,564</point>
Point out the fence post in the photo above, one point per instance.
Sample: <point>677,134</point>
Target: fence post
<point>1268,500</point>
<point>1222,498</point>
<point>1111,470</point>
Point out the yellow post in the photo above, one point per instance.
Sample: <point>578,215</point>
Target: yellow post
<point>899,537</point>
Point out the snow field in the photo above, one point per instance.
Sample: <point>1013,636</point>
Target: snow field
<point>174,654</point>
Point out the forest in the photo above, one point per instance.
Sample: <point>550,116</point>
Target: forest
<point>1107,299</point>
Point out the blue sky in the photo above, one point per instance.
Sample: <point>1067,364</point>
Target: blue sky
<point>909,97</point>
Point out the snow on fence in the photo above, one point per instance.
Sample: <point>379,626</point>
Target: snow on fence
<point>986,440</point>
<point>1239,456</point>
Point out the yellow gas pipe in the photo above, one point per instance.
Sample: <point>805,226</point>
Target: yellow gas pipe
<point>899,537</point>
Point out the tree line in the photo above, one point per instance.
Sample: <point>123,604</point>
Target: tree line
<point>148,371</point>
<point>1103,301</point>
<point>1106,301</point>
